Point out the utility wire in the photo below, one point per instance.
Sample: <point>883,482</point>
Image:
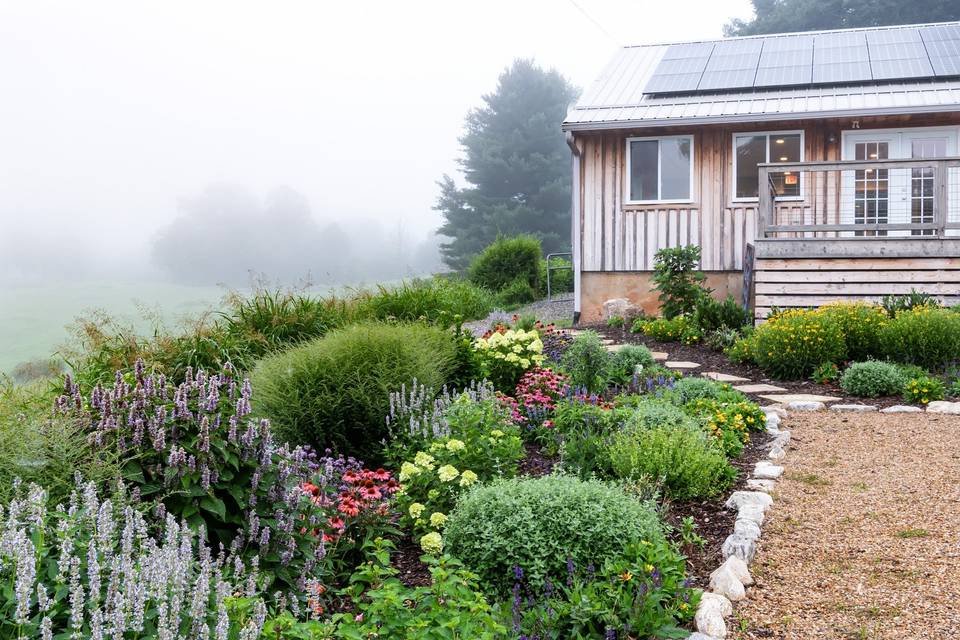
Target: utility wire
<point>592,19</point>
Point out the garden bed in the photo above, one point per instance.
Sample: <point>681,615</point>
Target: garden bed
<point>711,360</point>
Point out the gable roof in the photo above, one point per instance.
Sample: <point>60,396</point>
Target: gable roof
<point>620,96</point>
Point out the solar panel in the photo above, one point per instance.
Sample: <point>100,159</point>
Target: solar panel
<point>785,61</point>
<point>733,65</point>
<point>681,68</point>
<point>898,54</point>
<point>841,57</point>
<point>943,47</point>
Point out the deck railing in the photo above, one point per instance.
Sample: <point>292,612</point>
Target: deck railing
<point>860,199</point>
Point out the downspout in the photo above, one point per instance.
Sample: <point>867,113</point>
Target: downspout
<point>575,242</point>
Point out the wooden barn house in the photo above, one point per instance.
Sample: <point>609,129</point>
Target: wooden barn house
<point>809,167</point>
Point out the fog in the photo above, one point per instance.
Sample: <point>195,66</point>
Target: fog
<point>199,141</point>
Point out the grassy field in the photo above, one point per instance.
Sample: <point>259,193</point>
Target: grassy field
<point>35,319</point>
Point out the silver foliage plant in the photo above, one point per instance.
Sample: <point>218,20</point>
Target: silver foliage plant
<point>91,569</point>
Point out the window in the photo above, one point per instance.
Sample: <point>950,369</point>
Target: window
<point>660,169</point>
<point>752,149</point>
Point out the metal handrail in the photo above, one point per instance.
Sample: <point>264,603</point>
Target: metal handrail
<point>558,268</point>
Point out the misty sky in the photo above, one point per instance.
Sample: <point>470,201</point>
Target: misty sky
<point>112,111</point>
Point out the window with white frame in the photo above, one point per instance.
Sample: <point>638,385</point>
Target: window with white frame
<point>660,169</point>
<point>752,149</point>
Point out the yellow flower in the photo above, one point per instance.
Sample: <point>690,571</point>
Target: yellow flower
<point>648,568</point>
<point>437,519</point>
<point>467,478</point>
<point>416,510</point>
<point>447,473</point>
<point>432,543</point>
<point>626,576</point>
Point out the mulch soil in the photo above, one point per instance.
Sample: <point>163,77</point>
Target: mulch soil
<point>711,360</point>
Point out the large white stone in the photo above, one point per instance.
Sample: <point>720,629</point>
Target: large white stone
<point>805,405</point>
<point>696,635</point>
<point>761,485</point>
<point>901,408</point>
<point>738,499</point>
<point>767,471</point>
<point>746,528</point>
<point>739,569</point>
<point>751,512</point>
<point>619,308</point>
<point>939,406</point>
<point>776,453</point>
<point>782,439</point>
<point>724,582</point>
<point>773,422</point>
<point>853,408</point>
<point>711,613</point>
<point>739,546</point>
<point>777,409</point>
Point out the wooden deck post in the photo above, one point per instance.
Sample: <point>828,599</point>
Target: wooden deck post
<point>765,206</point>
<point>940,207</point>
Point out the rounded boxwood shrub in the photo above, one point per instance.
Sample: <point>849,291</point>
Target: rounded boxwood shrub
<point>626,360</point>
<point>792,344</point>
<point>683,459</point>
<point>335,392</point>
<point>539,524</point>
<point>871,379</point>
<point>925,336</point>
<point>507,260</point>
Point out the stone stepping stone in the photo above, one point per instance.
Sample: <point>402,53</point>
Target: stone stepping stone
<point>937,406</point>
<point>853,408</point>
<point>787,398</point>
<point>682,364</point>
<point>659,355</point>
<point>724,377</point>
<point>758,388</point>
<point>901,408</point>
<point>613,348</point>
<point>606,341</point>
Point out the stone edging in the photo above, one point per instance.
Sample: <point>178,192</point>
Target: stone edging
<point>729,581</point>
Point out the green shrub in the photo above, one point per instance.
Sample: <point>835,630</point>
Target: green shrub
<point>516,293</point>
<point>728,418</point>
<point>334,392</point>
<point>587,362</point>
<point>711,314</point>
<point>625,362</point>
<point>677,278</point>
<point>925,336</point>
<point>722,339</point>
<point>792,344</point>
<point>871,379</point>
<point>615,322</point>
<point>678,329</point>
<point>649,414</point>
<point>741,351</point>
<point>693,388</point>
<point>895,304</point>
<point>431,299</point>
<point>507,260</point>
<point>826,372</point>
<point>538,524</point>
<point>923,390</point>
<point>682,458</point>
<point>860,324</point>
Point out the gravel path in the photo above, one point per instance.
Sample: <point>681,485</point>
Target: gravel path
<point>546,311</point>
<point>863,541</point>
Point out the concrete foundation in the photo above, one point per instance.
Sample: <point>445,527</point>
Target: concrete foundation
<point>596,287</point>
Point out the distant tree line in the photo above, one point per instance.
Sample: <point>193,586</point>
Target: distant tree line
<point>784,16</point>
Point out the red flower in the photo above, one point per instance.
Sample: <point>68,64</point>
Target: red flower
<point>328,538</point>
<point>349,507</point>
<point>392,486</point>
<point>351,477</point>
<point>310,488</point>
<point>381,474</point>
<point>371,493</point>
<point>337,522</point>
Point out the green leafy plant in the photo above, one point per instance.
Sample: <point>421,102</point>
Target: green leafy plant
<point>505,355</point>
<point>894,304</point>
<point>923,390</point>
<point>728,420</point>
<point>430,299</point>
<point>677,329</point>
<point>540,523</point>
<point>615,322</point>
<point>826,372</point>
<point>871,379</point>
<point>711,314</point>
<point>334,392</point>
<point>925,336</point>
<point>790,345</point>
<point>628,361</point>
<point>587,362</point>
<point>641,593</point>
<point>677,278</point>
<point>682,458</point>
<point>861,326</point>
<point>516,293</point>
<point>505,261</point>
<point>741,351</point>
<point>688,533</point>
<point>451,607</point>
<point>722,339</point>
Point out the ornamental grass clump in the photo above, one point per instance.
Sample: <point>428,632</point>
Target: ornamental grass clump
<point>872,379</point>
<point>541,524</point>
<point>505,355</point>
<point>790,345</point>
<point>334,392</point>
<point>93,568</point>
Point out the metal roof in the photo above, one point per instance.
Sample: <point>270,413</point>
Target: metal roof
<point>617,99</point>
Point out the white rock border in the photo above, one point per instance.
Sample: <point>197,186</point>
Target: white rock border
<point>729,581</point>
